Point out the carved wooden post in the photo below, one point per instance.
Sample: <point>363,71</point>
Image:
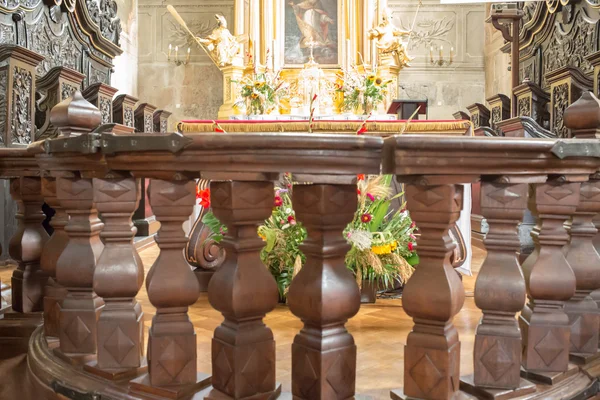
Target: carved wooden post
<point>566,85</point>
<point>53,293</point>
<point>26,246</point>
<point>144,118</point>
<point>243,290</point>
<point>531,102</point>
<point>101,96</point>
<point>324,295</point>
<point>172,288</point>
<point>161,121</point>
<point>500,292</point>
<point>433,296</point>
<point>123,106</point>
<point>549,278</point>
<point>118,277</point>
<point>480,115</point>
<point>17,86</point>
<point>500,108</point>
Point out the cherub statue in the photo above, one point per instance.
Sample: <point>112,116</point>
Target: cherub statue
<point>389,39</point>
<point>222,46</point>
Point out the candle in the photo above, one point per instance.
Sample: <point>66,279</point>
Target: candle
<point>176,53</point>
<point>274,46</point>
<point>451,54</point>
<point>441,51</point>
<point>431,54</point>
<point>187,58</point>
<point>169,55</point>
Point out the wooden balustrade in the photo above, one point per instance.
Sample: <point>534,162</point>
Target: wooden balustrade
<point>100,322</point>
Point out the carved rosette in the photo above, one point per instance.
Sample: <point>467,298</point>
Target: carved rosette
<point>21,121</point>
<point>53,292</point>
<point>119,275</point>
<point>560,102</point>
<point>76,265</point>
<point>500,288</point>
<point>243,349</point>
<point>324,353</point>
<point>26,245</point>
<point>583,258</point>
<point>432,348</point>
<point>549,278</point>
<point>172,287</point>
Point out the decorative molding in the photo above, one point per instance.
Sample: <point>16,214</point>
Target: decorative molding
<point>524,107</point>
<point>67,90</point>
<point>560,102</point>
<point>106,109</point>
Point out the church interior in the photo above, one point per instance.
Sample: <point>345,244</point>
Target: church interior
<point>299,199</point>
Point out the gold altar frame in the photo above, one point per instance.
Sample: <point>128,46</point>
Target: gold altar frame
<point>279,32</point>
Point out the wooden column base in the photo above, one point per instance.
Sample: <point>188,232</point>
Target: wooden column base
<point>467,385</point>
<point>549,378</point>
<point>399,395</point>
<point>142,386</point>
<point>215,394</point>
<point>116,374</point>
<point>583,359</point>
<point>76,360</point>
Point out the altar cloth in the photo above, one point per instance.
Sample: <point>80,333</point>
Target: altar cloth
<point>373,127</point>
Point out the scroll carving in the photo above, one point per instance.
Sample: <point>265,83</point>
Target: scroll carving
<point>524,107</point>
<point>104,15</point>
<point>560,99</point>
<point>67,91</point>
<point>21,108</point>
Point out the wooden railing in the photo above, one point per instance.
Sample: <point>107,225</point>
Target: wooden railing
<point>93,336</point>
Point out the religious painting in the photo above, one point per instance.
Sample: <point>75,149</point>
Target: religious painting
<point>311,24</point>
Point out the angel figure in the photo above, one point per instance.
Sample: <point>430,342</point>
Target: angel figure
<point>313,21</point>
<point>222,46</point>
<point>390,39</point>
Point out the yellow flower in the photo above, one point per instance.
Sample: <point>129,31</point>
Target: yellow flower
<point>371,77</point>
<point>378,81</point>
<point>254,95</point>
<point>257,84</point>
<point>382,249</point>
<point>263,237</point>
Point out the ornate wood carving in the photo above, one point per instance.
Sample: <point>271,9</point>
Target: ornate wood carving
<point>172,288</point>
<point>119,275</point>
<point>500,287</point>
<point>500,106</point>
<point>53,292</point>
<point>123,110</point>
<point>243,349</point>
<point>26,246</point>
<point>101,95</point>
<point>432,351</point>
<point>324,353</point>
<point>549,278</point>
<point>480,115</point>
<point>76,265</point>
<point>161,121</point>
<point>57,85</point>
<point>532,102</point>
<point>566,86</point>
<point>17,66</point>
<point>144,117</point>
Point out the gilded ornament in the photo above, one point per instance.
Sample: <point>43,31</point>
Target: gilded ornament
<point>389,40</point>
<point>223,47</point>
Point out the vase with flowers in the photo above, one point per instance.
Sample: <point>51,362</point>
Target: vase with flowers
<point>361,91</point>
<point>261,93</point>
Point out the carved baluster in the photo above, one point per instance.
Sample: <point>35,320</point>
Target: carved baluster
<point>76,265</point>
<point>433,296</point>
<point>26,246</point>
<point>583,258</point>
<point>550,280</point>
<point>243,349</point>
<point>500,293</point>
<point>53,293</point>
<point>118,277</point>
<point>172,288</point>
<point>324,295</point>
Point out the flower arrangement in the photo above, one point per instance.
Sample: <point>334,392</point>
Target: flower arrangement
<point>361,90</point>
<point>283,236</point>
<point>383,241</point>
<point>261,93</point>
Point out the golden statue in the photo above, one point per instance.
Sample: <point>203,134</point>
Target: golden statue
<point>389,39</point>
<point>222,46</point>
